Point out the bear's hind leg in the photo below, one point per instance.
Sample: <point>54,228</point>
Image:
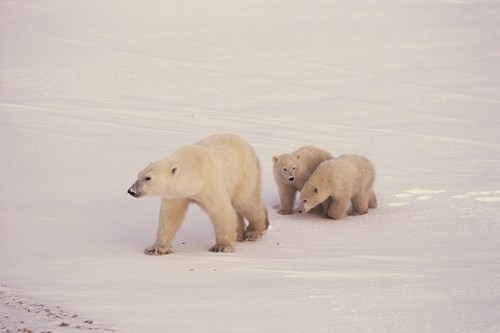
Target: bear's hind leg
<point>372,202</point>
<point>359,204</point>
<point>240,229</point>
<point>258,221</point>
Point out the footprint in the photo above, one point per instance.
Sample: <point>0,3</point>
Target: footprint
<point>398,204</point>
<point>485,196</point>
<point>403,195</point>
<point>415,193</point>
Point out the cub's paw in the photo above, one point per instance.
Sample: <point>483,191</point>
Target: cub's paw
<point>355,213</point>
<point>222,248</point>
<point>285,212</point>
<point>157,250</point>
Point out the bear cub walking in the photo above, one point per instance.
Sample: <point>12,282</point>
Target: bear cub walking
<point>291,171</point>
<point>220,173</point>
<point>344,180</point>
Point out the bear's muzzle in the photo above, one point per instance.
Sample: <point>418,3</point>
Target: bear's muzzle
<point>133,192</point>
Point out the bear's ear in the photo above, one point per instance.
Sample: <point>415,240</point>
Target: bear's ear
<point>275,159</point>
<point>174,170</point>
<point>316,190</point>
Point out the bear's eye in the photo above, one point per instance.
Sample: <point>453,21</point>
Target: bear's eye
<point>285,169</point>
<point>294,168</point>
<point>304,201</point>
<point>316,190</point>
<point>147,178</point>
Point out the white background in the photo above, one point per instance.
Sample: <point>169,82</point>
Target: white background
<point>92,91</point>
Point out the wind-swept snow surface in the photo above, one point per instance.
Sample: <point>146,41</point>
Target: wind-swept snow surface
<point>92,91</point>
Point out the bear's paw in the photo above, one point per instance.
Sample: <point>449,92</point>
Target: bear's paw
<point>157,250</point>
<point>252,235</point>
<point>222,248</point>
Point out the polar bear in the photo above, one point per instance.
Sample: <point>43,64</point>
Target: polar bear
<point>220,173</point>
<point>346,179</point>
<point>291,171</point>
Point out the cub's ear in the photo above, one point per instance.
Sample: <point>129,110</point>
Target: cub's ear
<point>316,190</point>
<point>175,169</point>
<point>275,159</point>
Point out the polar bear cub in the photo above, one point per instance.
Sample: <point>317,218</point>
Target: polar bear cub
<point>344,180</point>
<point>220,173</point>
<point>291,171</point>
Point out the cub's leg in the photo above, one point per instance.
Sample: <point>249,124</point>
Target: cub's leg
<point>171,215</point>
<point>326,205</point>
<point>287,195</point>
<point>339,207</point>
<point>372,202</point>
<point>359,204</point>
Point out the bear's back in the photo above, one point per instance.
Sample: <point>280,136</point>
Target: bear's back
<point>237,158</point>
<point>363,164</point>
<point>360,168</point>
<point>336,171</point>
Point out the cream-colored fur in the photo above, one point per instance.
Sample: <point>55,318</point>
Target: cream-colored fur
<point>222,174</point>
<point>341,181</point>
<point>291,171</point>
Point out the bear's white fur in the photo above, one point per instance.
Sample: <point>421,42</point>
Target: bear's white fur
<point>340,181</point>
<point>291,171</point>
<point>220,173</point>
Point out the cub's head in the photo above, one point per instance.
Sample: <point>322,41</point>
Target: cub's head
<point>287,166</point>
<point>312,194</point>
<point>167,178</point>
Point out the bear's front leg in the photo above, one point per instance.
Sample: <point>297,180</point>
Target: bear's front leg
<point>225,234</point>
<point>171,215</point>
<point>224,220</point>
<point>339,207</point>
<point>326,205</point>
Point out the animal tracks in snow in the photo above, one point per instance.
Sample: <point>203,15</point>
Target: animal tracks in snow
<point>423,195</point>
<point>415,194</point>
<point>22,314</point>
<point>485,196</point>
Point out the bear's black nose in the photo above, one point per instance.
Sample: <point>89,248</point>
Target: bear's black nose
<point>132,193</point>
<point>291,178</point>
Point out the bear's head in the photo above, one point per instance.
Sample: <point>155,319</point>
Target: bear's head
<point>312,195</point>
<point>168,178</point>
<point>288,166</point>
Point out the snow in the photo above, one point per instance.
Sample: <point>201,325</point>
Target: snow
<point>92,91</point>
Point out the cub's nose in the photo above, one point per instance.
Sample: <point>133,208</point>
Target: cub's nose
<point>291,178</point>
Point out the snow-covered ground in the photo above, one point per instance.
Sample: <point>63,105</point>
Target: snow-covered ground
<point>92,91</point>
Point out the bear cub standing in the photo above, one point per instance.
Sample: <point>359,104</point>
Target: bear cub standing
<point>344,180</point>
<point>221,174</point>
<point>291,171</point>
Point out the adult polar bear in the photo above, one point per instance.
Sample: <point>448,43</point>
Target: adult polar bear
<point>222,174</point>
